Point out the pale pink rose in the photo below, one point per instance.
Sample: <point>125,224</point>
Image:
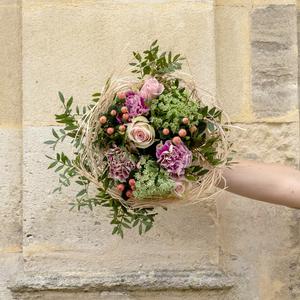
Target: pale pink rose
<point>140,132</point>
<point>151,88</point>
<point>181,186</point>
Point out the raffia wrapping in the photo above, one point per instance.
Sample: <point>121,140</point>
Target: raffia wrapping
<point>91,159</point>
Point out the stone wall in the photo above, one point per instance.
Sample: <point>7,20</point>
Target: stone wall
<point>242,51</point>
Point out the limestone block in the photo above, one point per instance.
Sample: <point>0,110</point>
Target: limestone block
<point>274,60</point>
<point>164,295</point>
<point>245,3</point>
<point>10,269</point>
<point>256,246</point>
<point>268,142</point>
<point>163,284</point>
<point>10,187</point>
<point>10,207</point>
<point>275,2</point>
<point>250,3</point>
<point>233,61</point>
<point>10,63</point>
<point>57,240</point>
<point>87,40</point>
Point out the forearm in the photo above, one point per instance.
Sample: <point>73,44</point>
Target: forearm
<point>265,182</point>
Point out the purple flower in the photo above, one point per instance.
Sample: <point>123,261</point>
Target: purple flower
<point>120,165</point>
<point>173,158</point>
<point>136,105</point>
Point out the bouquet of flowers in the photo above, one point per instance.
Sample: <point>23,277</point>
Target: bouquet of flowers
<point>145,141</point>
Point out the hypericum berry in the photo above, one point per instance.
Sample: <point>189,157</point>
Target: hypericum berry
<point>122,128</point>
<point>121,95</point>
<point>103,120</point>
<point>193,129</point>
<point>125,117</point>
<point>113,112</point>
<point>121,187</point>
<point>110,130</point>
<point>182,133</point>
<point>124,109</point>
<point>166,131</point>
<point>129,193</point>
<point>131,182</point>
<point>185,121</point>
<point>176,140</point>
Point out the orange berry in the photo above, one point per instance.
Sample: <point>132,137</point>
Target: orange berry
<point>124,109</point>
<point>113,112</point>
<point>131,182</point>
<point>185,121</point>
<point>176,140</point>
<point>182,133</point>
<point>103,120</point>
<point>166,131</point>
<point>125,117</point>
<point>121,187</point>
<point>110,130</point>
<point>121,95</point>
<point>129,193</point>
<point>122,128</point>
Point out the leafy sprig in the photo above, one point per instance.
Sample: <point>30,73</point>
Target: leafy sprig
<point>122,217</point>
<point>153,63</point>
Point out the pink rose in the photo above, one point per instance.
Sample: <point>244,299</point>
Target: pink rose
<point>140,132</point>
<point>181,186</point>
<point>151,88</point>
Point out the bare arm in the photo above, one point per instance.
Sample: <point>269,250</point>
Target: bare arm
<point>272,183</point>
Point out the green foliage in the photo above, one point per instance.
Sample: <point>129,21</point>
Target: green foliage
<point>152,181</point>
<point>168,111</point>
<point>69,120</point>
<point>193,173</point>
<point>153,63</point>
<point>122,218</point>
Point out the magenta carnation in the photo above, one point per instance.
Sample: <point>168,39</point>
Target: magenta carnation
<point>136,105</point>
<point>173,158</point>
<point>120,165</point>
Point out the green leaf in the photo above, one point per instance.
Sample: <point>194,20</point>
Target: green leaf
<point>50,142</point>
<point>154,43</point>
<point>59,168</point>
<point>82,192</point>
<point>55,134</point>
<point>61,97</point>
<point>115,230</point>
<point>69,103</point>
<point>52,165</point>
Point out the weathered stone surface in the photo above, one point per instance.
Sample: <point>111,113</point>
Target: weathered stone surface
<point>251,3</point>
<point>10,208</point>
<point>267,142</point>
<point>153,280</point>
<point>10,187</point>
<point>233,61</point>
<point>169,295</point>
<point>274,60</point>
<point>154,284</point>
<point>86,41</point>
<point>10,64</point>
